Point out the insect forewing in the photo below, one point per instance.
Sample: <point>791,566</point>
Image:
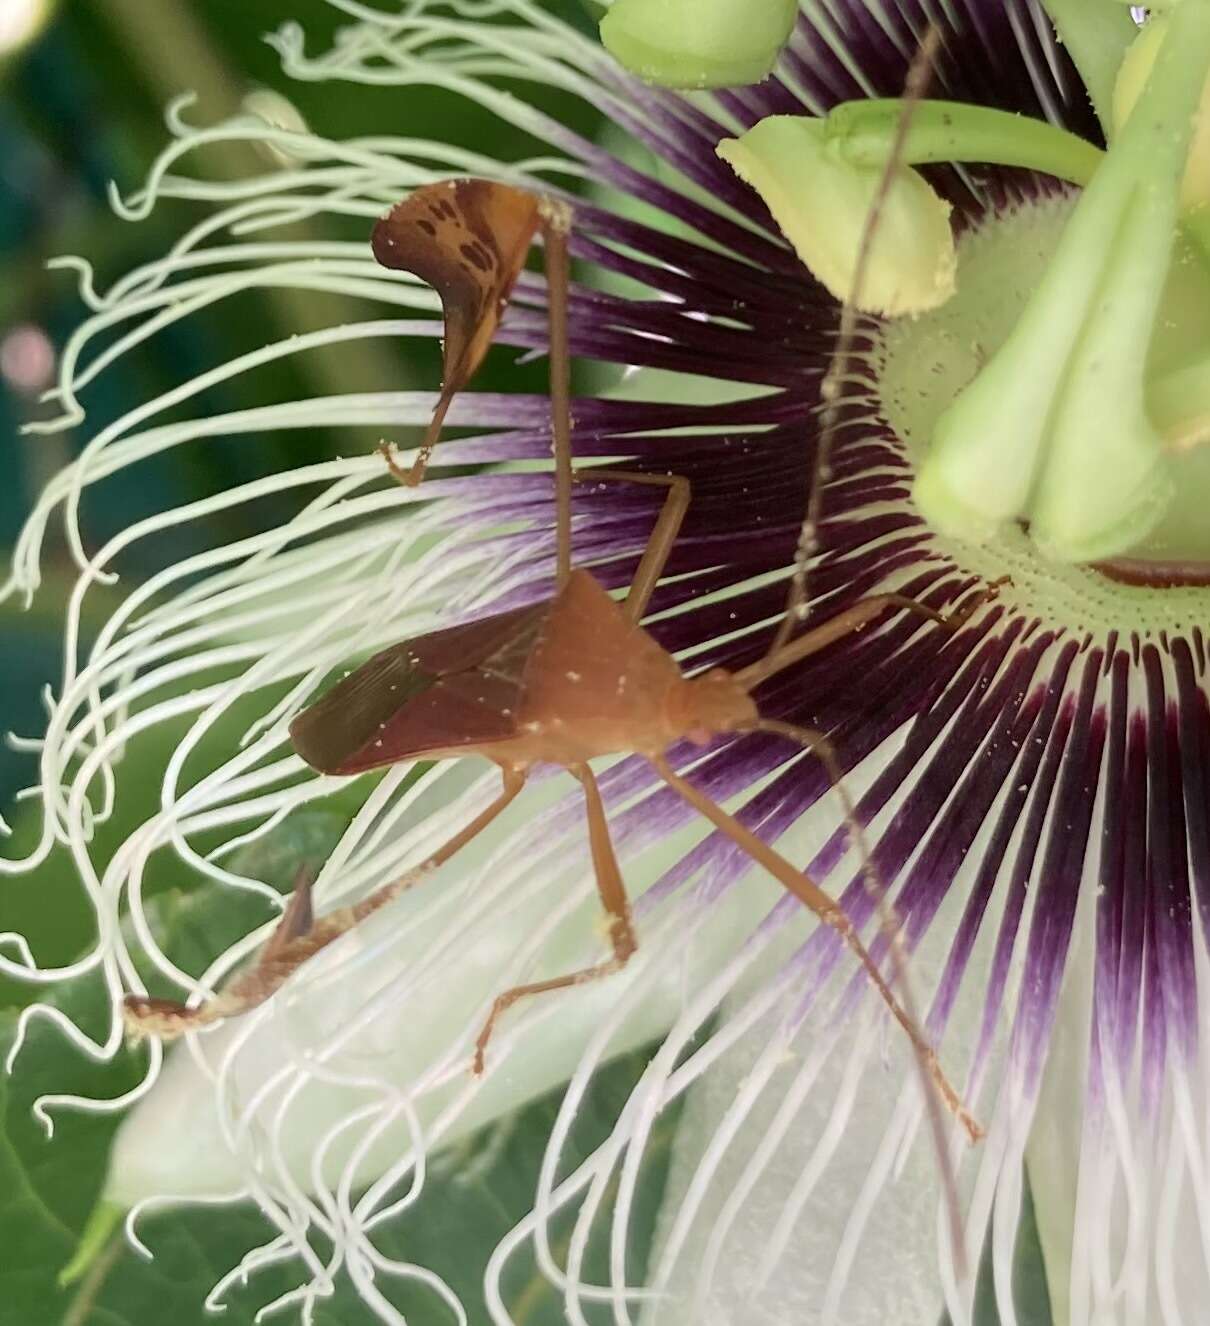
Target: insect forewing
<point>450,689</point>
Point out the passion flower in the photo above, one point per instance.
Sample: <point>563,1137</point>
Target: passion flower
<point>1033,788</point>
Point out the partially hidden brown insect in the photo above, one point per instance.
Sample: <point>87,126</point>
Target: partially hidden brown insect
<point>468,239</point>
<point>560,681</point>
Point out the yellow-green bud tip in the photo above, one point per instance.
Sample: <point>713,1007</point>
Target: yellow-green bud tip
<point>698,43</point>
<point>822,201</point>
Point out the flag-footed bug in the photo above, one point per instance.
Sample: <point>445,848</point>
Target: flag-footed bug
<point>560,681</point>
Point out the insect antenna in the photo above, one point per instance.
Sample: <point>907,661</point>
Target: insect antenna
<point>797,599</point>
<point>556,225</point>
<point>782,652</point>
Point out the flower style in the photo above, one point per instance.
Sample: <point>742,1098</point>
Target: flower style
<point>1033,786</point>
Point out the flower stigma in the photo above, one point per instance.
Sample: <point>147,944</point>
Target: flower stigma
<point>1054,429</point>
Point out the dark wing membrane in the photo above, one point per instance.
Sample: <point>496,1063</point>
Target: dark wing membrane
<point>460,687</point>
<point>488,642</point>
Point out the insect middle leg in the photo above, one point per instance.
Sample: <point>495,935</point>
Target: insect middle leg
<point>612,892</point>
<point>814,742</point>
<point>663,536</point>
<point>659,545</point>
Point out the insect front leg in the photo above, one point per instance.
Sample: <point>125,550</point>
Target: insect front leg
<point>289,945</point>
<point>663,535</point>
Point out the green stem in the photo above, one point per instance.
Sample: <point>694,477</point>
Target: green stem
<point>864,132</point>
<point>102,1221</point>
<point>1196,225</point>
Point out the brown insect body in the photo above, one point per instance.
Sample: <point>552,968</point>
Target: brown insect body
<point>467,239</point>
<point>490,227</point>
<point>560,682</point>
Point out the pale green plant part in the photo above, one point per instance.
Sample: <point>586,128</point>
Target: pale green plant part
<point>1097,34</point>
<point>864,133</point>
<point>698,43</point>
<point>820,200</point>
<point>1132,79</point>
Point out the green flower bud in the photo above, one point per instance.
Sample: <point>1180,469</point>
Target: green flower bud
<point>698,43</point>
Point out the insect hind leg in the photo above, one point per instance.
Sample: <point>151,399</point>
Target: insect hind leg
<point>299,937</point>
<point>830,913</point>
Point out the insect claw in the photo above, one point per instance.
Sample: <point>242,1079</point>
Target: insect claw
<point>144,1016</point>
<point>409,477</point>
<point>478,1061</point>
<point>958,618</point>
<point>296,922</point>
<point>485,1033</point>
<point>136,1030</point>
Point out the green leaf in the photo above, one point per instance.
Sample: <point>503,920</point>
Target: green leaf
<point>48,905</point>
<point>1031,1295</point>
<point>48,1186</point>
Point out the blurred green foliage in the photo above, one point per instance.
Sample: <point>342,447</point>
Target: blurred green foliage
<point>82,106</point>
<point>478,1190</point>
<point>79,107</point>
